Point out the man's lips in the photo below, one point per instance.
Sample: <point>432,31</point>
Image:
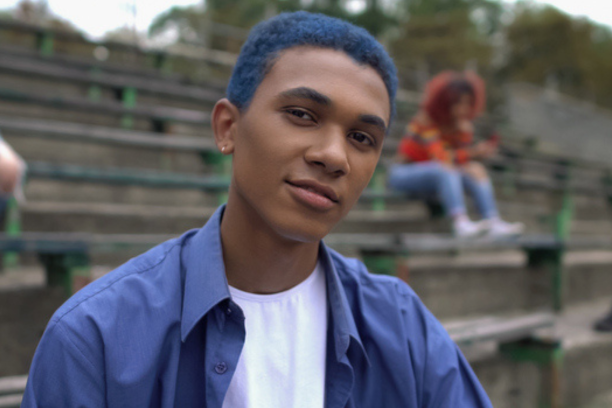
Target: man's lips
<point>315,187</point>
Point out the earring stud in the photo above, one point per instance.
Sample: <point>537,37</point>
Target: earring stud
<point>223,149</point>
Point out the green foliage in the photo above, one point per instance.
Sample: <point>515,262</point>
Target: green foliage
<point>441,41</point>
<point>539,45</point>
<point>38,13</point>
<point>191,21</point>
<point>547,46</point>
<point>186,20</point>
<point>439,35</point>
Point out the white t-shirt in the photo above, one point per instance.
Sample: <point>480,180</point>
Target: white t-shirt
<point>282,364</point>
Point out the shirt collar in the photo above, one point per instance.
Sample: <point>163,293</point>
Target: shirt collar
<point>205,280</point>
<point>206,286</point>
<point>344,326</point>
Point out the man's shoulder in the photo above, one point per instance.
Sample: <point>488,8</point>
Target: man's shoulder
<point>129,285</point>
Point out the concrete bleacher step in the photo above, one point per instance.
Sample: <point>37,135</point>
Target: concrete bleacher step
<point>88,63</point>
<point>586,375</point>
<point>31,75</point>
<point>587,371</point>
<point>600,401</point>
<point>107,218</point>
<point>30,111</point>
<point>114,218</point>
<point>157,218</point>
<point>102,113</point>
<point>25,310</point>
<point>592,227</point>
<point>466,283</point>
<point>97,146</point>
<point>81,191</point>
<point>413,216</point>
<point>107,156</point>
<point>11,391</point>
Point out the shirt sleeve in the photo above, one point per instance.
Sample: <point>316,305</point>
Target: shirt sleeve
<point>448,379</point>
<point>462,153</point>
<point>425,144</point>
<point>63,374</point>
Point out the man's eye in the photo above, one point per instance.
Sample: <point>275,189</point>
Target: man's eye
<point>299,113</point>
<point>361,138</point>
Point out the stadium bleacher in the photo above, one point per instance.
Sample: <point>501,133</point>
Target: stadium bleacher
<point>121,158</point>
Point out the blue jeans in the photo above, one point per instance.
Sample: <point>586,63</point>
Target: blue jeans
<point>431,179</point>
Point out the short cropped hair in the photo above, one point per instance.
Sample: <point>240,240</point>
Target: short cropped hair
<point>287,30</point>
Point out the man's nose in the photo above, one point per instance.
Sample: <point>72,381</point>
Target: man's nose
<point>329,151</point>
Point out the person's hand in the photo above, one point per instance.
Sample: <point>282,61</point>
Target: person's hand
<point>483,150</point>
<point>10,169</point>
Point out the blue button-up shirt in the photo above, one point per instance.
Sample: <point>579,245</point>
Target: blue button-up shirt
<point>162,331</point>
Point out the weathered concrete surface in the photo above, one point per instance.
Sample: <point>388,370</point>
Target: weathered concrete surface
<point>509,384</point>
<point>600,401</point>
<point>557,119</point>
<point>24,314</point>
<point>500,282</point>
<point>587,370</point>
<point>586,380</point>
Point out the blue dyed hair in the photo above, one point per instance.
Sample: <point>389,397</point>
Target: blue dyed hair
<point>287,30</point>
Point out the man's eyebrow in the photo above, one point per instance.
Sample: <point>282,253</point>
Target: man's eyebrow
<point>304,92</point>
<point>374,120</point>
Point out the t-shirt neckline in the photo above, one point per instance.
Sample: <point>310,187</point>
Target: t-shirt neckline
<point>262,298</point>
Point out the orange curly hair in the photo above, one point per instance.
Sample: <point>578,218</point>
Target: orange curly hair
<point>445,90</point>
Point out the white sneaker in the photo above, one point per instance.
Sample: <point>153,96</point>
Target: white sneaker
<point>499,228</point>
<point>466,228</point>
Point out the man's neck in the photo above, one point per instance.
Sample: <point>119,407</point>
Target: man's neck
<point>257,259</point>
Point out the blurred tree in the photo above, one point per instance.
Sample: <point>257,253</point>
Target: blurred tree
<point>539,45</point>
<point>187,22</point>
<point>225,17</point>
<point>125,35</point>
<point>444,34</point>
<point>218,24</point>
<point>548,47</point>
<point>600,68</point>
<point>373,17</point>
<point>38,13</point>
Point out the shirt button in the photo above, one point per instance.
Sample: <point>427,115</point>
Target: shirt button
<point>228,311</point>
<point>221,368</point>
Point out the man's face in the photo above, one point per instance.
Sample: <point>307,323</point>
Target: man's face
<point>309,141</point>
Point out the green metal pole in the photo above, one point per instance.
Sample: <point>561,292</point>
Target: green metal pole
<point>377,184</point>
<point>607,185</point>
<point>380,262</point>
<point>563,219</point>
<point>45,44</point>
<point>129,102</point>
<point>163,63</point>
<point>94,93</point>
<point>222,165</point>
<point>12,229</point>
<point>69,271</point>
<point>548,355</point>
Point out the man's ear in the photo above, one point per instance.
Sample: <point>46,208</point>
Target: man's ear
<point>224,120</point>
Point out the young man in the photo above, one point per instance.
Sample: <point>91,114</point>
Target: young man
<point>253,310</point>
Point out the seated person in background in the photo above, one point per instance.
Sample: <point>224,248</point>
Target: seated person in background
<point>12,171</point>
<point>437,157</point>
<point>253,310</point>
